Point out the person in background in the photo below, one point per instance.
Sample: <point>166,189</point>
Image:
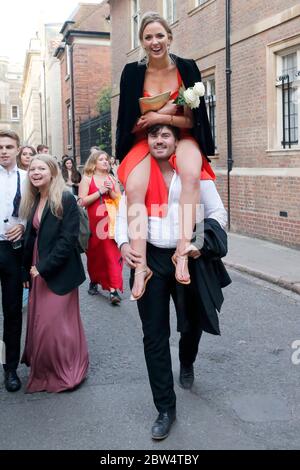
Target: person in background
<point>41,148</point>
<point>71,175</point>
<point>113,167</point>
<point>24,156</point>
<point>55,347</point>
<point>11,231</point>
<point>99,193</point>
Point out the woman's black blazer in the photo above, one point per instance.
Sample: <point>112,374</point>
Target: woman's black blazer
<point>131,89</point>
<point>59,262</point>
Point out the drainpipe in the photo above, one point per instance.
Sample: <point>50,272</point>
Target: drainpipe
<point>45,103</point>
<point>72,100</point>
<point>41,116</point>
<point>228,106</point>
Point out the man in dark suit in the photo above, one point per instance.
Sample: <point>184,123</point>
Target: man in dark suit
<point>196,304</point>
<point>11,231</point>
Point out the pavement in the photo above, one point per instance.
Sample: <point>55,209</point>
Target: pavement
<point>271,262</point>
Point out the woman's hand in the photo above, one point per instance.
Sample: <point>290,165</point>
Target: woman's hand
<point>26,285</point>
<point>34,272</point>
<point>108,185</point>
<point>149,119</point>
<point>170,108</point>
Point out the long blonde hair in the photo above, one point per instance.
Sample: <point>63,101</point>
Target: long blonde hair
<point>91,163</point>
<point>56,189</point>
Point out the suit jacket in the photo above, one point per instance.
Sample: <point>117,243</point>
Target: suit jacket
<point>132,88</point>
<point>59,262</point>
<point>208,277</point>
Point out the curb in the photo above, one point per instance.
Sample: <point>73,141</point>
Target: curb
<point>265,277</point>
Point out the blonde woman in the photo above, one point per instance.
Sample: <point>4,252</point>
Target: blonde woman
<point>157,73</point>
<point>97,190</point>
<point>55,347</point>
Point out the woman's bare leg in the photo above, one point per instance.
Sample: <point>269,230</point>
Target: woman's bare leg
<point>136,188</point>
<point>189,163</point>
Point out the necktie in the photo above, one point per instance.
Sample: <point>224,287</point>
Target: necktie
<point>17,198</point>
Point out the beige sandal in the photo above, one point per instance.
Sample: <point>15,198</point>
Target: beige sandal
<point>185,260</point>
<point>147,278</point>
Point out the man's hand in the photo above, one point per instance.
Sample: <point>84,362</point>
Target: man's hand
<point>192,252</point>
<point>14,234</point>
<point>34,272</point>
<point>131,257</point>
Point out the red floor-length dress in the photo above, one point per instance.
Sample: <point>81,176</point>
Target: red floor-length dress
<point>55,348</point>
<point>104,260</point>
<point>157,192</point>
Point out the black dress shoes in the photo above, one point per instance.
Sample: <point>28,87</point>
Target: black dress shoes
<point>186,377</point>
<point>93,289</point>
<point>162,426</point>
<point>11,381</point>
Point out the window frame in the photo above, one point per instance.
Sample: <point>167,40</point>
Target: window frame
<point>13,118</point>
<point>274,108</point>
<point>207,81</point>
<point>135,21</point>
<point>173,4</point>
<point>69,126</point>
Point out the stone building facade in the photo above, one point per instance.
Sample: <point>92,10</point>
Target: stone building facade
<point>85,62</point>
<point>11,111</point>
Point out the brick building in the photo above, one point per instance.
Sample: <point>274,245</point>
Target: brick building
<point>265,56</point>
<point>85,58</point>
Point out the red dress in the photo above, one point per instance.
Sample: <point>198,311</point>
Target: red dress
<point>104,260</point>
<point>157,193</point>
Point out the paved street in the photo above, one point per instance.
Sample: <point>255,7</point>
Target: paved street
<point>246,394</point>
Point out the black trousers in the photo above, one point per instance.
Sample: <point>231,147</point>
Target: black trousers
<point>154,310</point>
<point>12,290</point>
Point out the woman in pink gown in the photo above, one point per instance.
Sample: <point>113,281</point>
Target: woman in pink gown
<point>55,347</point>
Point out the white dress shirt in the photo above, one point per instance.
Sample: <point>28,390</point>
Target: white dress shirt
<point>163,231</point>
<point>8,189</point>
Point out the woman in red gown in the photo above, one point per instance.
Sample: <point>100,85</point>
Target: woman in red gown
<point>99,192</point>
<point>159,73</point>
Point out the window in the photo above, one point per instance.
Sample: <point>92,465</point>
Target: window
<point>210,100</point>
<point>70,127</point>
<point>15,113</point>
<point>200,2</point>
<point>170,12</point>
<point>135,22</point>
<point>68,61</point>
<point>288,95</point>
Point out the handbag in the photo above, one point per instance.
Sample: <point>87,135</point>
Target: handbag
<point>84,229</point>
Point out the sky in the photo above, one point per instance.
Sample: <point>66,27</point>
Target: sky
<point>20,20</point>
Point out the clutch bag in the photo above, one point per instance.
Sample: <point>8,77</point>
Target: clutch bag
<point>154,103</point>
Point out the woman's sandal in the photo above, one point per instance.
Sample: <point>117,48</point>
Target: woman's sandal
<point>147,278</point>
<point>185,260</point>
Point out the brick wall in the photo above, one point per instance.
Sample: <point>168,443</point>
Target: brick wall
<point>199,33</point>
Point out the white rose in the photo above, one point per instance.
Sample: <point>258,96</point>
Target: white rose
<point>199,89</point>
<point>191,99</point>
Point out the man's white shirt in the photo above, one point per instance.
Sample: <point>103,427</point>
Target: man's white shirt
<point>8,189</point>
<point>163,232</point>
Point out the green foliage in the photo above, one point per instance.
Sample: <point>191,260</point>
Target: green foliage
<point>103,102</point>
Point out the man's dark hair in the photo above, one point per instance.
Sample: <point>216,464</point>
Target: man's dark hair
<point>153,130</point>
<point>41,147</point>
